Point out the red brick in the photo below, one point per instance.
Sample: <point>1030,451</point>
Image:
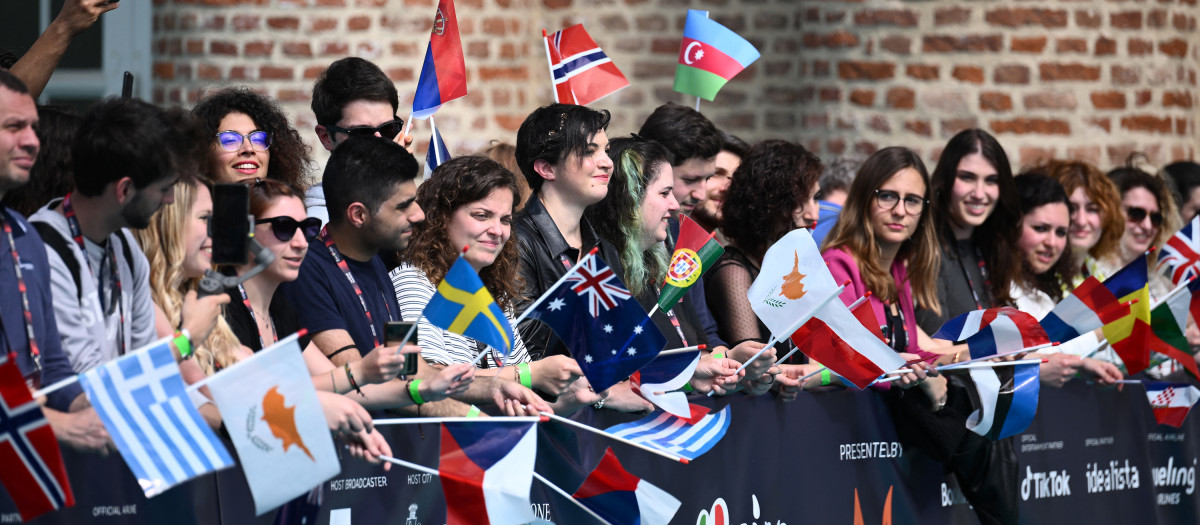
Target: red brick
<point>556,4</point>
<point>1138,46</point>
<point>879,123</point>
<point>1071,45</point>
<point>1087,19</point>
<point>896,44</point>
<point>862,70</point>
<point>949,102</point>
<point>820,68</point>
<point>1125,75</point>
<point>1181,99</point>
<point>1156,18</point>
<point>401,74</point>
<point>275,73</point>
<point>815,121</point>
<point>1034,155</point>
<point>164,71</point>
<point>358,23</point>
<point>1118,154</point>
<point>951,16</point>
<point>1175,47</point>
<point>1020,17</point>
<point>1143,97</point>
<point>323,24</point>
<point>195,46</point>
<point>770,21</point>
<point>830,94</point>
<point>477,49</point>
<point>951,126</point>
<point>1010,75</point>
<point>335,49</point>
<point>312,72</point>
<point>1028,45</point>
<point>1102,123</point>
<point>886,17</point>
<point>901,98</point>
<point>1088,154</point>
<point>215,23</point>
<point>297,49</point>
<point>1026,126</point>
<point>245,22</point>
<point>920,127</point>
<point>258,48</point>
<point>862,97</point>
<point>283,22</point>
<point>1051,72</point>
<point>840,39</point>
<point>1050,100</point>
<point>959,44</point>
<point>1147,123</point>
<point>972,74</point>
<point>995,101</point>
<point>239,73</point>
<point>921,71</point>
<point>1106,46</point>
<point>504,73</point>
<point>836,146</point>
<point>1183,22</point>
<point>293,95</point>
<point>222,47</point>
<point>865,148</point>
<point>651,23</point>
<point>1108,99</point>
<point>1126,20</point>
<point>208,72</point>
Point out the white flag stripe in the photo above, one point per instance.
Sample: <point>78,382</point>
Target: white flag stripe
<point>159,412</point>
<point>180,410</point>
<point>988,385</point>
<point>103,400</point>
<point>710,428</point>
<point>506,484</point>
<point>680,441</point>
<point>581,54</point>
<point>151,377</point>
<point>838,317</point>
<point>1180,304</point>
<point>581,69</point>
<point>1006,334</point>
<point>629,429</point>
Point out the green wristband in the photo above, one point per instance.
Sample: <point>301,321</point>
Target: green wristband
<point>718,355</point>
<point>687,387</point>
<point>826,377</point>
<point>414,387</point>
<point>473,412</point>
<point>524,375</point>
<point>183,343</point>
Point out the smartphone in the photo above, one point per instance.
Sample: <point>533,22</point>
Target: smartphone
<point>127,85</point>
<point>229,225</point>
<point>393,333</point>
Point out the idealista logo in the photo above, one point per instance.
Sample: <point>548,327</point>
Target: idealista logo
<point>1045,484</point>
<point>719,514</point>
<point>1114,477</point>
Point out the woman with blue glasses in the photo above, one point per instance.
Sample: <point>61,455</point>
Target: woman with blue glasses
<point>252,138</point>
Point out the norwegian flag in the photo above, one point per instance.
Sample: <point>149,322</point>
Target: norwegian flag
<point>582,73</point>
<point>33,471</point>
<point>1180,257</point>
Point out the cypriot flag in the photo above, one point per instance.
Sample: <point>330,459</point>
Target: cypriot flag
<point>793,282</point>
<point>276,423</point>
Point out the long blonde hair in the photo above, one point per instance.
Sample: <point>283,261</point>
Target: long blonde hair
<point>163,243</point>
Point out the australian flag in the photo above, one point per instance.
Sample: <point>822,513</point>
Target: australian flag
<point>33,472</point>
<point>606,329</point>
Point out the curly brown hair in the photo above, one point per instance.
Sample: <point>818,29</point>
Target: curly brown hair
<point>1075,174</point>
<point>291,158</point>
<point>454,184</point>
<point>782,170</point>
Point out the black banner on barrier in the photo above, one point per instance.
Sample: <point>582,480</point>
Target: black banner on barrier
<point>1090,455</point>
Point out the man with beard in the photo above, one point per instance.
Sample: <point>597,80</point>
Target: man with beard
<point>128,155</point>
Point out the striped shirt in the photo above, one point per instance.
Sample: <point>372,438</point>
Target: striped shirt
<point>413,291</point>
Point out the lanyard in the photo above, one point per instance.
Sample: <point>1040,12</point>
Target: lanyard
<point>674,320</point>
<point>34,353</point>
<point>897,331</point>
<point>262,344</point>
<point>970,282</point>
<point>114,303</point>
<point>341,263</point>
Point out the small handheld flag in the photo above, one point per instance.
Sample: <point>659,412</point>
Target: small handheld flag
<point>1008,400</point>
<point>793,282</point>
<point>486,470</point>
<point>1089,307</point>
<point>1171,402</point>
<point>687,438</point>
<point>33,472</point>
<point>1168,326</point>
<point>695,251</point>
<point>709,56</point>
<point>437,153</point>
<point>464,306</point>
<point>622,498</point>
<point>838,339</point>
<point>664,375</point>
<point>444,72</point>
<point>581,72</point>
<point>1180,257</point>
<point>1130,335</point>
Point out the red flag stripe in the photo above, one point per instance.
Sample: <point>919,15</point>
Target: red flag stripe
<point>711,59</point>
<point>821,343</point>
<point>462,484</point>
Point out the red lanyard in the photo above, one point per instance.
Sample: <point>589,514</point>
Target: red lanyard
<point>341,262</point>
<point>114,303</point>
<point>33,347</point>
<point>674,320</point>
<point>262,344</point>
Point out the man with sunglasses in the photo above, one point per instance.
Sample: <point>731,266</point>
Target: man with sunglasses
<point>353,98</point>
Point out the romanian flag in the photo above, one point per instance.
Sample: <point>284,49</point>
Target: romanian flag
<point>695,251</point>
<point>1168,322</point>
<point>444,73</point>
<point>463,305</point>
<point>709,56</point>
<point>1130,335</point>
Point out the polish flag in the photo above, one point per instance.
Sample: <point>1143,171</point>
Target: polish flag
<point>841,341</point>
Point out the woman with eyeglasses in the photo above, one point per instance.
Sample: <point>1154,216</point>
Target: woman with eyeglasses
<point>1097,222</point>
<point>253,139</point>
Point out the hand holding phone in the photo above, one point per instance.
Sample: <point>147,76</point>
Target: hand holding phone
<point>397,332</point>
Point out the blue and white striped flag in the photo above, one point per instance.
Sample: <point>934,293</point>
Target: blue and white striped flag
<point>676,435</point>
<point>437,153</point>
<point>142,402</point>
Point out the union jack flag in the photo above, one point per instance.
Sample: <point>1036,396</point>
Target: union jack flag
<point>34,474</point>
<point>1180,258</point>
<point>598,281</point>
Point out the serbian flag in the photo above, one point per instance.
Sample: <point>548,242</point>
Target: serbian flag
<point>582,73</point>
<point>794,281</point>
<point>994,330</point>
<point>1008,397</point>
<point>695,251</point>
<point>1180,257</point>
<point>437,153</point>
<point>1089,307</point>
<point>444,73</point>
<point>839,340</point>
<point>709,56</point>
<point>1168,324</point>
<point>622,498</point>
<point>1130,335</point>
<point>1171,401</point>
<point>486,470</point>
<point>667,374</point>
<point>33,471</point>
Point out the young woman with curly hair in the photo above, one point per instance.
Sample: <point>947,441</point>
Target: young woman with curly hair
<point>1097,222</point>
<point>253,139</point>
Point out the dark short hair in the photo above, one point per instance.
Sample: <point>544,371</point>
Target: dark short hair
<point>1037,189</point>
<point>1186,176</point>
<point>365,170</point>
<point>128,137</point>
<point>347,80</point>
<point>552,133</point>
<point>12,83</point>
<point>733,144</point>
<point>783,170</point>
<point>290,156</point>
<point>683,131</point>
<point>50,176</point>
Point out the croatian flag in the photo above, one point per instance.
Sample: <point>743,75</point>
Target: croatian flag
<point>33,471</point>
<point>1008,397</point>
<point>838,339</point>
<point>667,374</point>
<point>1180,257</point>
<point>143,404</point>
<point>444,73</point>
<point>622,498</point>
<point>437,153</point>
<point>687,438</point>
<point>1089,307</point>
<point>486,470</point>
<point>1171,401</point>
<point>995,330</point>
<point>709,56</point>
<point>582,73</point>
<point>606,329</point>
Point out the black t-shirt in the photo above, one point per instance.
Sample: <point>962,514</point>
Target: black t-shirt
<point>287,321</point>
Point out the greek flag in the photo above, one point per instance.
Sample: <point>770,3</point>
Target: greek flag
<point>676,435</point>
<point>143,404</point>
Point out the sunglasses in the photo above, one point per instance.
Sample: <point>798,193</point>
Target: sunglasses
<point>387,130</point>
<point>232,140</point>
<point>1137,214</point>
<point>285,228</point>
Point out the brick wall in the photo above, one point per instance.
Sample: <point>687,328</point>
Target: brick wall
<point>1088,79</point>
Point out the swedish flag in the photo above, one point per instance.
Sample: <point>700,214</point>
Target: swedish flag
<point>464,306</point>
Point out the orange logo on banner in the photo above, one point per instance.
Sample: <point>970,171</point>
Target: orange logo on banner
<point>793,287</point>
<point>282,420</point>
<point>886,519</point>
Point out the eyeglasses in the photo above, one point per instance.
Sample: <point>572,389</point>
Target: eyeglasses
<point>285,228</point>
<point>1136,214</point>
<point>888,200</point>
<point>232,140</point>
<point>386,130</point>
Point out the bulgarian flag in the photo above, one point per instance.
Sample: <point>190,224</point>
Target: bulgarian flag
<point>1130,335</point>
<point>695,251</point>
<point>709,56</point>
<point>1168,324</point>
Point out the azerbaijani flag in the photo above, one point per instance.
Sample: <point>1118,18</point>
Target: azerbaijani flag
<point>709,56</point>
<point>1130,335</point>
<point>1171,402</point>
<point>444,73</point>
<point>1168,324</point>
<point>695,251</point>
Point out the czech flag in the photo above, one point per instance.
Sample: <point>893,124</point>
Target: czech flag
<point>486,470</point>
<point>1180,256</point>
<point>1171,401</point>
<point>1008,397</point>
<point>709,56</point>
<point>582,73</point>
<point>695,251</point>
<point>622,498</point>
<point>444,73</point>
<point>1130,335</point>
<point>1089,307</point>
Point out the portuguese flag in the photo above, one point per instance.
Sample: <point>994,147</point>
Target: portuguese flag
<point>709,56</point>
<point>695,251</point>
